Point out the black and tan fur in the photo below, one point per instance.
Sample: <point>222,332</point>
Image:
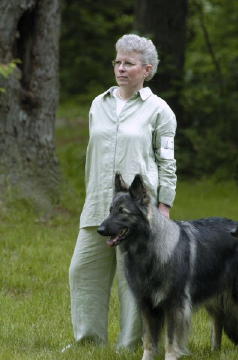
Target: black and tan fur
<point>173,267</point>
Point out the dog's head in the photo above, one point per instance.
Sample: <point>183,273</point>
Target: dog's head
<point>128,210</point>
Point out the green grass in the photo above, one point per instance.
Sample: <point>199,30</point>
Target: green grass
<point>35,254</point>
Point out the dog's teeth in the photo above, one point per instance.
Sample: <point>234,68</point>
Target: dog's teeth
<point>112,241</point>
<point>123,232</point>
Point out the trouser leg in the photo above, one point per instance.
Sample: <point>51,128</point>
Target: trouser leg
<point>130,319</point>
<point>91,274</point>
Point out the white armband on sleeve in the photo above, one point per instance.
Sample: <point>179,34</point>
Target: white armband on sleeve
<point>167,147</point>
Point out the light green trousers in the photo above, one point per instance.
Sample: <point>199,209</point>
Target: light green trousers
<point>91,274</point>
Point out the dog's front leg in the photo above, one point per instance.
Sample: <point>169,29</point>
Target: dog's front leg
<point>216,335</point>
<point>178,323</point>
<point>152,324</point>
<point>150,349</point>
<point>148,354</point>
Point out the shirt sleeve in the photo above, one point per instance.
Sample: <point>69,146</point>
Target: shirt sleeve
<point>164,155</point>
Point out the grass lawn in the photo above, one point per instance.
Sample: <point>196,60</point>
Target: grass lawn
<point>36,251</point>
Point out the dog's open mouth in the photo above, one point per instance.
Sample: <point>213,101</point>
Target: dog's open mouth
<point>116,239</point>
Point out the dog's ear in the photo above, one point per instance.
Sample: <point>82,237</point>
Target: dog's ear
<point>120,184</point>
<point>138,191</point>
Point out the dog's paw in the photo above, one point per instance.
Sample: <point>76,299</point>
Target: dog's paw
<point>170,356</point>
<point>148,355</point>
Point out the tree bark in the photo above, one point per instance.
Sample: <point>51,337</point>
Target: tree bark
<point>164,22</point>
<point>29,32</point>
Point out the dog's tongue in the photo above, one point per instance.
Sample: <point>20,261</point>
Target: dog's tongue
<point>112,241</point>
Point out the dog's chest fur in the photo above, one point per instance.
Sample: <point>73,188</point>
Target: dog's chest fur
<point>148,262</point>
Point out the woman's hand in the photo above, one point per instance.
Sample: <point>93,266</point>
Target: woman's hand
<point>164,209</point>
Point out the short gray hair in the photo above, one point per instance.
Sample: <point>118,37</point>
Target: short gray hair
<point>143,46</point>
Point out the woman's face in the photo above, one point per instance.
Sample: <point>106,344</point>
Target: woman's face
<point>129,70</point>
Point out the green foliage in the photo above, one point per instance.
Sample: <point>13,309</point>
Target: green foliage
<point>210,97</point>
<point>89,31</point>
<point>6,70</point>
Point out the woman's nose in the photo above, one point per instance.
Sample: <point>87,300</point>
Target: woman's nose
<point>121,67</point>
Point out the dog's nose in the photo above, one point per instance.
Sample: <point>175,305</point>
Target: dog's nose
<point>101,230</point>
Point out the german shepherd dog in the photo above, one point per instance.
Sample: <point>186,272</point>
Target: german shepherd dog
<point>173,267</point>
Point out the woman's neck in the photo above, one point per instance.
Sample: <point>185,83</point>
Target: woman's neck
<point>125,94</point>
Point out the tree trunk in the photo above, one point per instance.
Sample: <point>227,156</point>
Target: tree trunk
<point>29,32</point>
<point>164,22</point>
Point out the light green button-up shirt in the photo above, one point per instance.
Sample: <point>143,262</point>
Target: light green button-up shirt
<point>140,140</point>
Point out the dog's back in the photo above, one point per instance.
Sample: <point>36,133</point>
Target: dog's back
<point>213,256</point>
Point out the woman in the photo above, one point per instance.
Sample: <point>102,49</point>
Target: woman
<point>131,131</point>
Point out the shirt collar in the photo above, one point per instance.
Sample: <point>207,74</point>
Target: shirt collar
<point>109,91</point>
<point>144,93</point>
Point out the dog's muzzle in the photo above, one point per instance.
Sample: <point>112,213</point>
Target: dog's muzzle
<point>102,230</point>
<point>115,239</point>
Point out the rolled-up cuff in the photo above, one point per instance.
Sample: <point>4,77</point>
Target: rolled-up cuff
<point>166,195</point>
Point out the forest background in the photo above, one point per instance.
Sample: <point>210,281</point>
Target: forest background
<point>207,125</point>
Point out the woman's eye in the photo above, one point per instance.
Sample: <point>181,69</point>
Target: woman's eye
<point>121,210</point>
